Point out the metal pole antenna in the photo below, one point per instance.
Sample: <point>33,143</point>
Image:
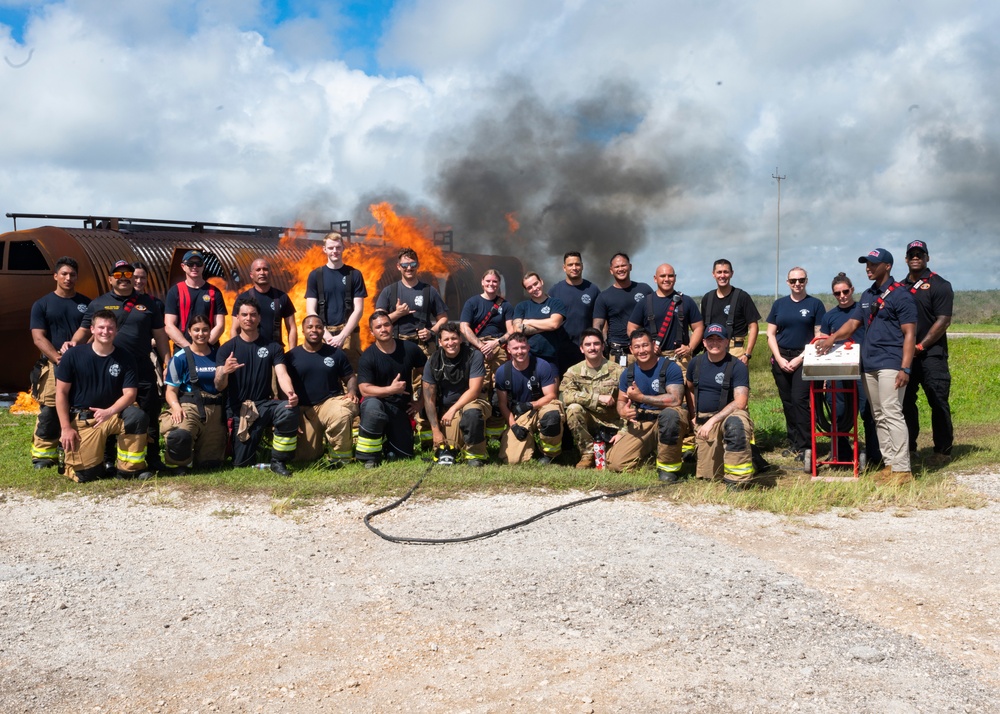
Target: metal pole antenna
<point>777,249</point>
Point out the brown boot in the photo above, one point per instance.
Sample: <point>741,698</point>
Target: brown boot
<point>586,460</point>
<point>898,478</point>
<point>883,475</point>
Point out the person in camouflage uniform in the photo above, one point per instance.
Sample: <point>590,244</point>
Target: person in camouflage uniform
<point>589,391</point>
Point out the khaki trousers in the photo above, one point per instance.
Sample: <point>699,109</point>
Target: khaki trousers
<point>330,421</point>
<point>719,456</point>
<point>207,440</point>
<point>45,441</point>
<point>641,439</point>
<point>887,409</point>
<point>456,439</point>
<point>93,436</point>
<point>514,451</point>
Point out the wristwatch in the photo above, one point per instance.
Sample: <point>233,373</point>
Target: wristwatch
<point>904,370</point>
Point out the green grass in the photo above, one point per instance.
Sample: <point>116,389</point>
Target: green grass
<point>975,404</point>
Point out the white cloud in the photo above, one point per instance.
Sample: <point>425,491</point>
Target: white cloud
<point>667,116</point>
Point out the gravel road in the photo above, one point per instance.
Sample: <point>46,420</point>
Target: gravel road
<point>156,602</point>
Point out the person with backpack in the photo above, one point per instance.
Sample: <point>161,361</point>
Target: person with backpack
<point>454,398</point>
<point>651,400</point>
<point>194,428</point>
<point>193,296</point>
<point>734,308</point>
<point>487,319</point>
<point>417,312</point>
<point>528,388</point>
<point>718,385</point>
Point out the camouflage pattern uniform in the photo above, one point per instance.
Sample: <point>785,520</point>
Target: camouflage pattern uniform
<point>581,386</point>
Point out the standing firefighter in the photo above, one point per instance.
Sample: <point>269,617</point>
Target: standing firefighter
<point>336,292</point>
<point>651,401</point>
<point>718,385</point>
<point>95,390</point>
<point>54,319</point>
<point>589,391</point>
<point>453,398</point>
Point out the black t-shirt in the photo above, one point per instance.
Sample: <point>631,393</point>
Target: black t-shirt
<point>551,343</point>
<point>252,381</point>
<point>60,317</point>
<point>135,334</point>
<point>615,306</point>
<point>335,287</point>
<point>476,309</point>
<point>935,297</point>
<point>96,382</point>
<point>716,311</point>
<point>712,375</point>
<point>423,315</point>
<point>270,301</point>
<point>206,300</point>
<point>685,314</point>
<point>454,381</point>
<point>379,369</point>
<point>318,375</point>
<point>579,301</point>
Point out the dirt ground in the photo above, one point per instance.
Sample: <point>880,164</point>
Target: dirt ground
<point>156,602</point>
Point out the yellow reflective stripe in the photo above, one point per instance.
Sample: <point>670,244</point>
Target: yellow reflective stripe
<point>494,432</point>
<point>479,457</point>
<point>132,457</point>
<point>670,468</point>
<point>551,449</point>
<point>341,454</point>
<point>367,445</point>
<point>426,435</point>
<point>284,443</point>
<point>745,469</point>
<point>687,448</point>
<point>37,453</point>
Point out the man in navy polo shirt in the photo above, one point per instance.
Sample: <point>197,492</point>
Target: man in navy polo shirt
<point>890,313</point>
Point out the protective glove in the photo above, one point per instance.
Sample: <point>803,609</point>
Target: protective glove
<point>520,433</point>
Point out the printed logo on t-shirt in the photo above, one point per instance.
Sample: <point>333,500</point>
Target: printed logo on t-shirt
<point>140,308</point>
<point>81,308</point>
<point>328,361</point>
<point>546,310</point>
<point>114,369</point>
<point>655,385</point>
<point>720,378</point>
<point>638,297</point>
<point>343,280</point>
<point>206,298</point>
<point>585,299</point>
<point>418,300</point>
<point>804,313</point>
<point>272,306</point>
<point>262,353</point>
<point>725,310</point>
<point>925,286</point>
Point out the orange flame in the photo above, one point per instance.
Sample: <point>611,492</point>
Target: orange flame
<point>372,254</point>
<point>24,404</point>
<point>513,225</point>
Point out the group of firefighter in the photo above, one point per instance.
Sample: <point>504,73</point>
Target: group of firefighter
<point>632,372</point>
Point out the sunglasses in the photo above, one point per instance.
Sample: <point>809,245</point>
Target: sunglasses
<point>194,264</point>
<point>121,274</point>
<point>841,293</point>
<point>797,281</point>
<point>406,266</point>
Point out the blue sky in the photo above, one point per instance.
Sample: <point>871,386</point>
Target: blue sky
<point>648,125</point>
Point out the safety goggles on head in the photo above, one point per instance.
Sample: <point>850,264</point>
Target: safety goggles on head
<point>122,275</point>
